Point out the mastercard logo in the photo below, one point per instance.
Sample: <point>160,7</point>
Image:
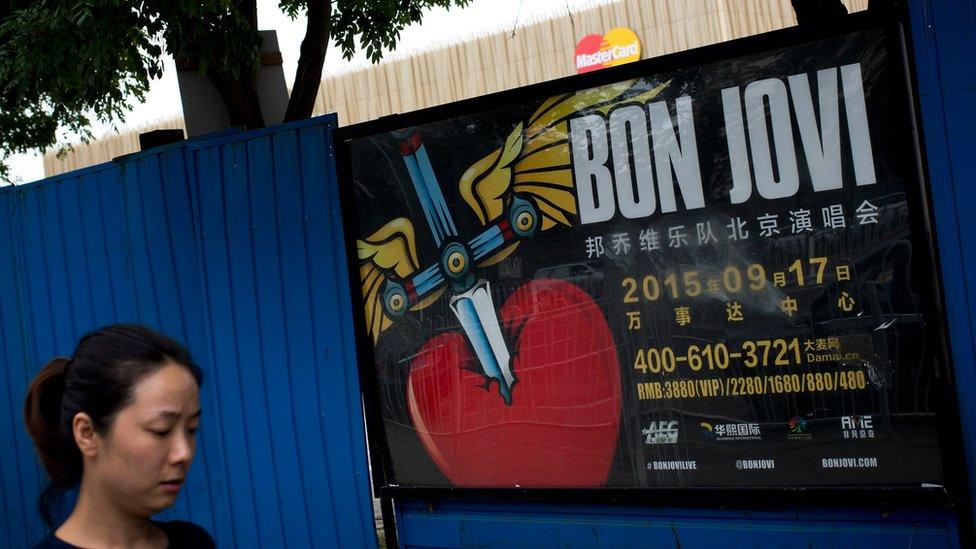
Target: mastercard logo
<point>618,46</point>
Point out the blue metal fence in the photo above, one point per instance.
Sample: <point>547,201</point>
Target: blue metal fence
<point>944,33</point>
<point>458,524</point>
<point>233,246</point>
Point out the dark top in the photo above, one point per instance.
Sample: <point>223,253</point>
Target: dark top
<point>180,534</point>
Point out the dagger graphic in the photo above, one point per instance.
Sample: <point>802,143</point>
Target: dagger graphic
<point>471,300</point>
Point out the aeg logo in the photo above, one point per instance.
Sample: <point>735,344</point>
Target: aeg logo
<point>661,432</point>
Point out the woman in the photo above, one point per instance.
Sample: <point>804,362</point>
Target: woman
<point>117,420</point>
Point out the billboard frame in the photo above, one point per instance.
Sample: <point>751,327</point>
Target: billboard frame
<point>955,491</point>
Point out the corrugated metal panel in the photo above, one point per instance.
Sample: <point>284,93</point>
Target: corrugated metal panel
<point>944,34</point>
<point>232,245</point>
<point>459,524</point>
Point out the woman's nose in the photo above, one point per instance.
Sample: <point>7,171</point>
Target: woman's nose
<point>182,450</point>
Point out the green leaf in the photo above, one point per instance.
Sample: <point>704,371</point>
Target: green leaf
<point>66,63</point>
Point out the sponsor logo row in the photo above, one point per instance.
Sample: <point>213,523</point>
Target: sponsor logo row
<point>666,431</point>
<point>763,464</point>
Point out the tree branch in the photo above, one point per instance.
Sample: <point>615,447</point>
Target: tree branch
<point>309,72</point>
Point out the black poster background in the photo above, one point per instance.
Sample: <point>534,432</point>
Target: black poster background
<point>898,361</point>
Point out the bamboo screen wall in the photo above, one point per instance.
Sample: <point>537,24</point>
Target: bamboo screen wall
<point>502,60</point>
<point>105,148</point>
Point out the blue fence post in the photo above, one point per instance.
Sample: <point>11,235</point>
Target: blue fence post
<point>944,39</point>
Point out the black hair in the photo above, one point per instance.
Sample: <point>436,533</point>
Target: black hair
<point>98,379</point>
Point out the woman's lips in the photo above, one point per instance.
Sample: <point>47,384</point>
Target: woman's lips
<point>172,485</point>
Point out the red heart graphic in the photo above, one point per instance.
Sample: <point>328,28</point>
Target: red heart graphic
<point>561,428</point>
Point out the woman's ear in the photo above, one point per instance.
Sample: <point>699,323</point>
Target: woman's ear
<point>85,436</point>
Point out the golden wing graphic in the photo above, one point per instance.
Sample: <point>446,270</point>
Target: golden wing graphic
<point>535,159</point>
<point>390,251</point>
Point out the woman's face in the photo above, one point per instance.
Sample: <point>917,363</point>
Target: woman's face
<point>143,458</point>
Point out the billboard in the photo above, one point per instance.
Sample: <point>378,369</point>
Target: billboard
<point>707,270</point>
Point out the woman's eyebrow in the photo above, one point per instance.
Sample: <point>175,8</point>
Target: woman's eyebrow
<point>175,414</point>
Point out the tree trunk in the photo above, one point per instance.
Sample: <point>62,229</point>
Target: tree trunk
<point>310,63</point>
<point>250,10</point>
<point>240,96</point>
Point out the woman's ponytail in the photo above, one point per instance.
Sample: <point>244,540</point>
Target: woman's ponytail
<point>51,432</point>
